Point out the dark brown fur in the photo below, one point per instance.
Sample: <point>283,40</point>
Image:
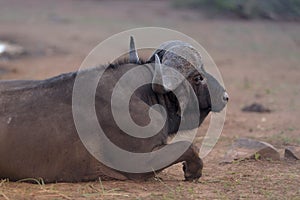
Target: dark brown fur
<point>38,138</point>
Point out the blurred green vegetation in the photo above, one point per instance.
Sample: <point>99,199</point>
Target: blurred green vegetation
<point>249,9</point>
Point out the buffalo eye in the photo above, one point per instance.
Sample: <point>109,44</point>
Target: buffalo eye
<point>198,79</point>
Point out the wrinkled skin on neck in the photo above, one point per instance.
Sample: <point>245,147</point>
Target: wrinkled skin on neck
<point>190,117</point>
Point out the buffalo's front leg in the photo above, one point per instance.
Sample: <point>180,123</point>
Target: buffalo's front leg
<point>192,166</point>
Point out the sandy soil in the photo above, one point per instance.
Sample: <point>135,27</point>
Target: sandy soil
<point>259,61</point>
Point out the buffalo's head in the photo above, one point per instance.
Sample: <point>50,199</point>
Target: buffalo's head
<point>179,68</point>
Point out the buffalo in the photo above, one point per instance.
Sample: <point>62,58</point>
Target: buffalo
<point>39,139</point>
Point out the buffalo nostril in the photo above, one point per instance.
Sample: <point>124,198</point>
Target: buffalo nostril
<point>225,97</point>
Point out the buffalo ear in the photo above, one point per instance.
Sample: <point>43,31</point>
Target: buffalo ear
<point>133,55</point>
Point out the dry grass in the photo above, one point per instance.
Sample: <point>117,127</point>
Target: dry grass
<point>241,180</point>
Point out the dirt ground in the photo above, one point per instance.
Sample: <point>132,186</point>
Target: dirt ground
<point>259,62</point>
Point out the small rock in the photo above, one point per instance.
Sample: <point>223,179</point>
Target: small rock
<point>244,148</point>
<point>256,107</point>
<point>8,50</point>
<point>263,119</point>
<point>292,152</point>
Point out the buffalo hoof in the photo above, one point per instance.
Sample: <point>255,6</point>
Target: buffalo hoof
<point>192,170</point>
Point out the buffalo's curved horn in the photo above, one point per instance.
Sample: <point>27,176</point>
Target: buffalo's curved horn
<point>183,97</point>
<point>133,55</point>
<point>157,82</point>
<point>165,47</point>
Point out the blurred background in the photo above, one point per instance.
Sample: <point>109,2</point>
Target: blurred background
<point>255,43</point>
